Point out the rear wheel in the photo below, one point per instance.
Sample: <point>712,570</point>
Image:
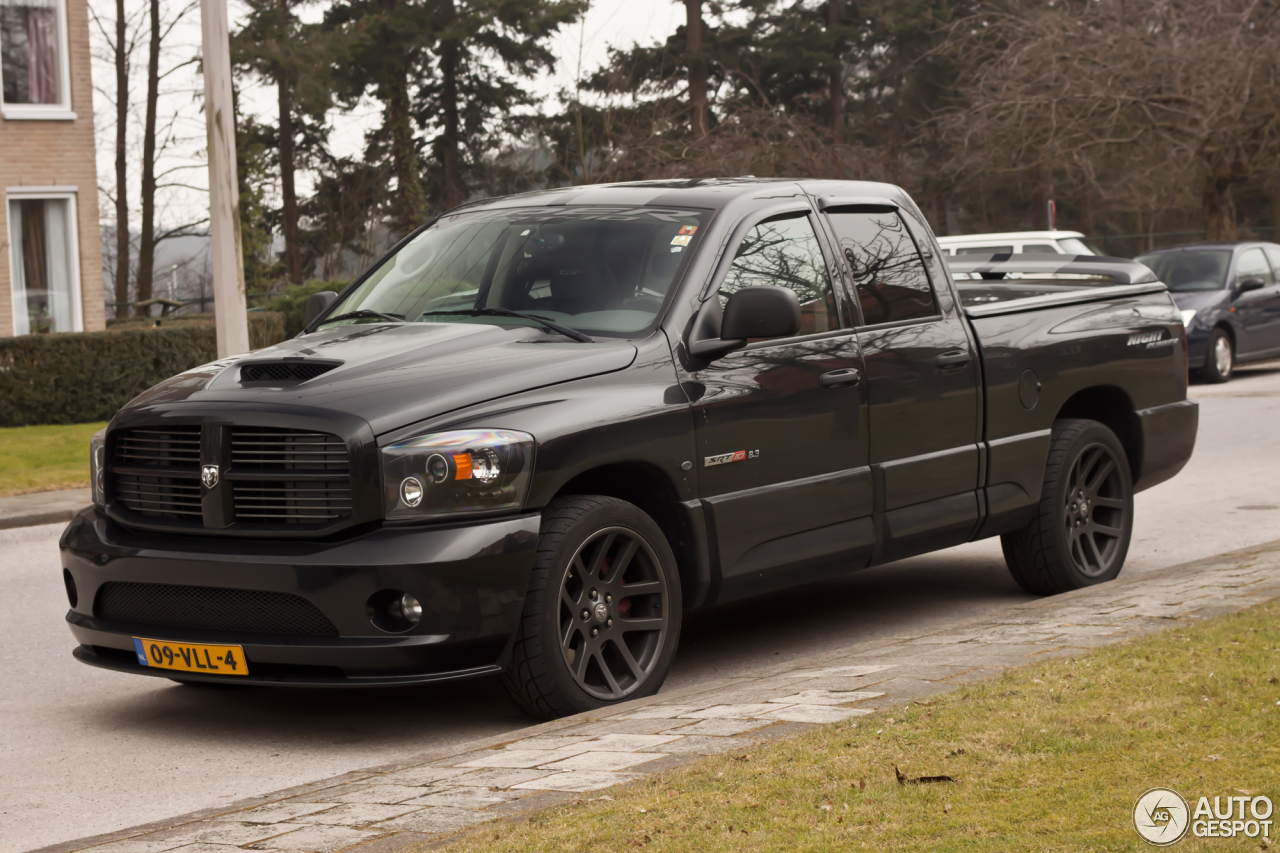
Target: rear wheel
<point>602,617</point>
<point>1220,360</point>
<point>1080,535</point>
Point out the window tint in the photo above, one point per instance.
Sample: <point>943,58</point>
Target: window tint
<point>1192,270</point>
<point>785,253</point>
<point>1253,264</point>
<point>984,250</point>
<point>887,271</point>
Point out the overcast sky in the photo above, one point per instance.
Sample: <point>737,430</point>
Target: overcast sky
<point>582,47</point>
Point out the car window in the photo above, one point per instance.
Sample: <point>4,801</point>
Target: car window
<point>784,252</point>
<point>1253,264</point>
<point>1075,246</point>
<point>1273,255</point>
<point>1189,270</point>
<point>1039,249</point>
<point>888,273</point>
<point>984,250</point>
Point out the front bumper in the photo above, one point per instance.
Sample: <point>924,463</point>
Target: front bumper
<point>471,580</point>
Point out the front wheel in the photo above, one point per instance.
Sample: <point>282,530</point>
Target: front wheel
<point>1220,360</point>
<point>602,617</point>
<point>1080,534</point>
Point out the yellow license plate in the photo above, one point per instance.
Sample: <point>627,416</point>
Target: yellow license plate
<point>191,657</point>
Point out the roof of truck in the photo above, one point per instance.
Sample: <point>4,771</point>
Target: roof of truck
<point>1007,236</point>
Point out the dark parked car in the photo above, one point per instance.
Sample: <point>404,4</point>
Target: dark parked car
<point>543,427</point>
<point>1229,298</point>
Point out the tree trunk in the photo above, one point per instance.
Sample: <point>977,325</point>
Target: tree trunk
<point>410,200</point>
<point>835,94</point>
<point>1218,209</point>
<point>699,114</point>
<point>147,238</point>
<point>288,191</point>
<point>122,163</point>
<point>453,191</point>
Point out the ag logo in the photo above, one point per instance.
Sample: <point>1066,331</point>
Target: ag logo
<point>209,475</point>
<point>1161,816</point>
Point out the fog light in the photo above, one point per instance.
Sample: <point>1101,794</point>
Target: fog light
<point>411,491</point>
<point>408,608</point>
<point>73,597</point>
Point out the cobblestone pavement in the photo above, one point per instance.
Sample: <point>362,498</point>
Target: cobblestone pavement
<point>383,809</point>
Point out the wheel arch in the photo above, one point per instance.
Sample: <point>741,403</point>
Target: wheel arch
<point>1112,407</point>
<point>650,488</point>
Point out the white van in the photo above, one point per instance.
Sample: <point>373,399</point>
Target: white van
<point>1035,242</point>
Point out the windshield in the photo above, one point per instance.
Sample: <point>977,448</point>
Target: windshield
<point>599,270</point>
<point>1183,272</point>
<point>1075,246</point>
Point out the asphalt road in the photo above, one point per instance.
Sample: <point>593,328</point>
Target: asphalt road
<point>84,751</point>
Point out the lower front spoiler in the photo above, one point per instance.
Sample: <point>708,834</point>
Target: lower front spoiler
<point>119,660</point>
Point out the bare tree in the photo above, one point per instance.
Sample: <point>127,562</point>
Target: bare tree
<point>1160,103</point>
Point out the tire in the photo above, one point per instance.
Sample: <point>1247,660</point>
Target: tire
<point>1219,358</point>
<point>636,634</point>
<point>1080,534</point>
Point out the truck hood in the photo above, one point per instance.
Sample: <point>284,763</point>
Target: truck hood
<point>396,375</point>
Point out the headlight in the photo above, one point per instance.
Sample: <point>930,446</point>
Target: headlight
<point>456,473</point>
<point>1187,316</point>
<point>97,463</point>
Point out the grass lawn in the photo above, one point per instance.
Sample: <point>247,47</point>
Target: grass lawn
<point>1052,757</point>
<point>33,459</point>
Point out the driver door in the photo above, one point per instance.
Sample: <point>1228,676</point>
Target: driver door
<point>781,428</point>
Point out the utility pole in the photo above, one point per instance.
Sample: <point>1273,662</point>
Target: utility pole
<point>230,317</point>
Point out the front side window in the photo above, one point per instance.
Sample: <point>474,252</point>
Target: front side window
<point>887,270</point>
<point>598,270</point>
<point>40,258</point>
<point>30,52</point>
<point>785,253</point>
<point>1253,264</point>
<point>1183,272</point>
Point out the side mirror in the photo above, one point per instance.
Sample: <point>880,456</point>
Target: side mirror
<point>317,303</point>
<point>753,312</point>
<point>1251,283</point>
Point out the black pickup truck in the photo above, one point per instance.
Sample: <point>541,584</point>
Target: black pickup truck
<point>543,427</point>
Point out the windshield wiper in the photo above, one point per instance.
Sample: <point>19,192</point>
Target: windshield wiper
<point>365,312</point>
<point>507,312</point>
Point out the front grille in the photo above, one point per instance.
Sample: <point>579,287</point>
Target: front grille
<point>211,608</point>
<point>160,497</point>
<point>292,501</point>
<point>173,454</point>
<point>261,448</point>
<point>282,372</point>
<point>172,447</point>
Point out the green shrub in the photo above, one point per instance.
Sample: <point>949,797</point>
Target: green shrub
<point>292,302</point>
<point>87,376</point>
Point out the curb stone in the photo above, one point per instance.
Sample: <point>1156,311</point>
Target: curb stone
<point>37,508</point>
<point>427,801</point>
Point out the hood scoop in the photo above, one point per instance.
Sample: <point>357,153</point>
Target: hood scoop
<point>285,372</point>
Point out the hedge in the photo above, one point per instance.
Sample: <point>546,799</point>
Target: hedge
<point>87,376</point>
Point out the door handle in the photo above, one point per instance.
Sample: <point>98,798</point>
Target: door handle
<point>840,378</point>
<point>956,358</point>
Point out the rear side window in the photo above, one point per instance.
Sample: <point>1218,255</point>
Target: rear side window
<point>1253,264</point>
<point>1039,249</point>
<point>889,275</point>
<point>984,250</point>
<point>785,253</point>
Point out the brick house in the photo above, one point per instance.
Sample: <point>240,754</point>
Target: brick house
<point>51,263</point>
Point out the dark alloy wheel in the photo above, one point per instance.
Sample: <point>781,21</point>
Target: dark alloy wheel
<point>1083,523</point>
<point>602,616</point>
<point>614,606</point>
<point>1096,513</point>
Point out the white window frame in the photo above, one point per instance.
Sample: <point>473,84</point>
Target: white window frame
<point>60,111</point>
<point>69,195</point>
